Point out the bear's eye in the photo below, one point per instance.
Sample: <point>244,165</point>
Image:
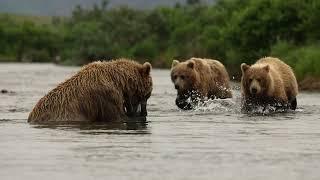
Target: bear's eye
<point>182,77</point>
<point>250,80</point>
<point>259,80</point>
<point>175,77</point>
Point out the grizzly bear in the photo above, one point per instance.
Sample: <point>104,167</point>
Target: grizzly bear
<point>99,92</point>
<point>268,82</point>
<point>197,79</point>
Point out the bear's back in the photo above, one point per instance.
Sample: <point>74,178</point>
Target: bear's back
<point>284,71</point>
<point>216,77</point>
<point>209,64</point>
<point>217,69</point>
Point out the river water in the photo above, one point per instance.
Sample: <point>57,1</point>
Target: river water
<point>214,141</point>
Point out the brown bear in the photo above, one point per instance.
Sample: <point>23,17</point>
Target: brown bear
<point>268,82</point>
<point>99,92</point>
<point>197,79</point>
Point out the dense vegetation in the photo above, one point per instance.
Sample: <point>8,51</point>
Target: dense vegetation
<point>233,31</point>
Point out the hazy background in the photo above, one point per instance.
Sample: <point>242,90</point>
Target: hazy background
<point>65,7</point>
<point>76,32</point>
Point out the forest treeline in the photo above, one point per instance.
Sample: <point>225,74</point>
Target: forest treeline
<point>232,31</point>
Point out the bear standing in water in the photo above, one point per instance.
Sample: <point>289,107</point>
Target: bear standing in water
<point>197,79</point>
<point>268,82</point>
<point>99,92</point>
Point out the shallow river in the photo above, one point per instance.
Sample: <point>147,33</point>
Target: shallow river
<point>212,142</point>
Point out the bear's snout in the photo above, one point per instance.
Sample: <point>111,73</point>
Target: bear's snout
<point>255,87</point>
<point>254,90</point>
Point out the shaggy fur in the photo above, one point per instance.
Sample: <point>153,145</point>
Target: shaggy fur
<point>200,78</point>
<point>100,91</point>
<point>269,81</point>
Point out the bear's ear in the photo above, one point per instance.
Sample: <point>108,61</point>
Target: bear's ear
<point>174,63</point>
<point>244,67</point>
<point>267,68</point>
<point>146,68</point>
<point>191,64</point>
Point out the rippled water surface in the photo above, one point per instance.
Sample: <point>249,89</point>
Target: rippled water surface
<point>215,141</point>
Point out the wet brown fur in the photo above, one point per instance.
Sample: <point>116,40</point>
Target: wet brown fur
<point>279,83</point>
<point>208,77</point>
<point>96,93</point>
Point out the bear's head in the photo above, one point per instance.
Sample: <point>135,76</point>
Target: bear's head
<point>144,90</point>
<point>256,80</point>
<point>183,75</point>
<point>146,85</point>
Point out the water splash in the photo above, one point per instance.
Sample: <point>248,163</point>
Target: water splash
<point>216,105</point>
<point>265,110</point>
<point>195,102</point>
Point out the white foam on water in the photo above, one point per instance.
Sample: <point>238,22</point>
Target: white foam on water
<point>269,110</point>
<point>216,105</point>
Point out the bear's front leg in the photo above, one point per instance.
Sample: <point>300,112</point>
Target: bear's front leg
<point>293,104</point>
<point>189,100</point>
<point>246,105</point>
<point>129,108</point>
<point>143,108</point>
<point>183,103</point>
<point>136,109</point>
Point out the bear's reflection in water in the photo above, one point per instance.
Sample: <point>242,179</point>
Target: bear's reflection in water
<point>136,125</point>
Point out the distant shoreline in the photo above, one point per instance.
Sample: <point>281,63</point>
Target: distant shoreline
<point>309,84</point>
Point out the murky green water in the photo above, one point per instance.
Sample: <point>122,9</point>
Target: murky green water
<point>213,142</point>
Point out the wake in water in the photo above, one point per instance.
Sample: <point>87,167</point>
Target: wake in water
<point>216,105</point>
<point>266,109</point>
<point>212,105</point>
<point>234,105</point>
